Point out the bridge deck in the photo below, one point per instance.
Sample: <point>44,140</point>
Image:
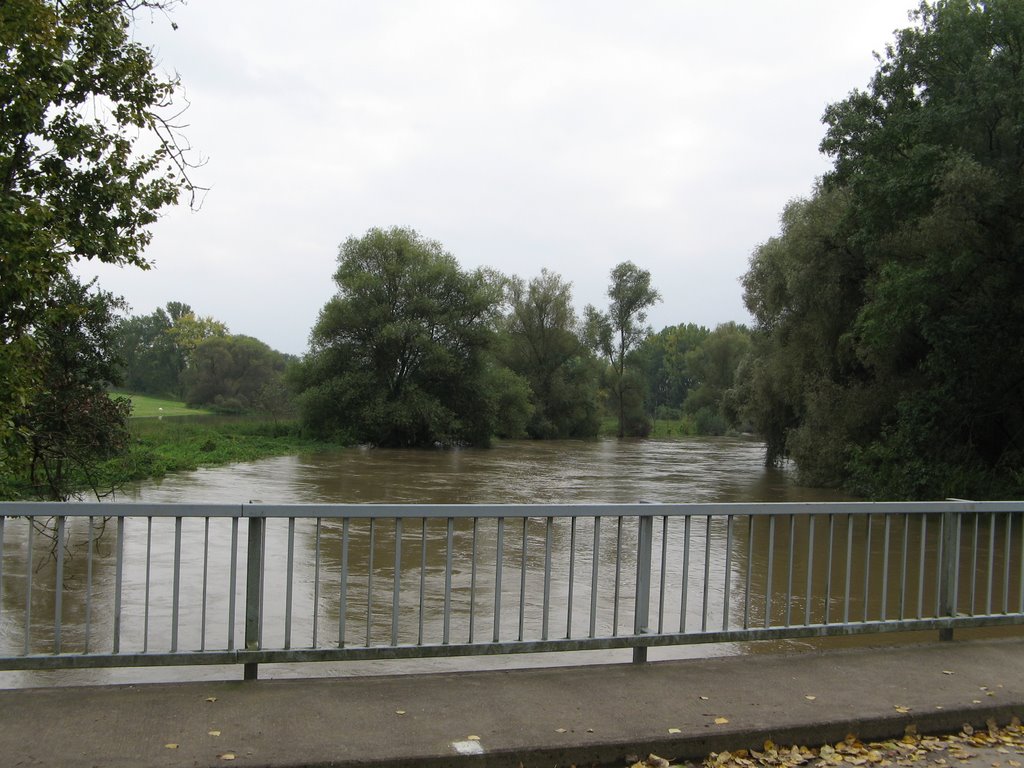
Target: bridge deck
<point>542,717</point>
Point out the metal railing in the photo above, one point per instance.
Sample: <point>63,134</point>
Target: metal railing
<point>103,585</point>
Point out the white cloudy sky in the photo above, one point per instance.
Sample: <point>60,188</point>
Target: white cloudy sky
<point>521,134</point>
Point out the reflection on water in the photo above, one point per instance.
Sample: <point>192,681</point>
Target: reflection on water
<point>604,471</point>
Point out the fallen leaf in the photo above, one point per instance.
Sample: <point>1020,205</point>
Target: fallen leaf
<point>590,730</point>
<point>211,699</point>
<point>975,701</point>
<point>704,698</point>
<point>810,698</point>
<point>968,729</point>
<point>901,709</point>
<point>213,733</point>
<point>228,756</point>
<point>947,672</point>
<point>674,730</point>
<point>170,746</point>
<point>399,711</point>
<point>473,738</point>
<point>656,762</point>
<point>559,730</point>
<point>721,721</point>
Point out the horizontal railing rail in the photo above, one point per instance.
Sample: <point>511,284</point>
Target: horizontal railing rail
<point>104,585</point>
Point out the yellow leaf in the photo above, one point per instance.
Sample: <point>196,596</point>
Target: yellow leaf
<point>901,709</point>
<point>213,733</point>
<point>720,721</point>
<point>559,730</point>
<point>810,698</point>
<point>228,756</point>
<point>674,730</point>
<point>769,746</point>
<point>473,738</point>
<point>170,746</point>
<point>211,699</point>
<point>399,711</point>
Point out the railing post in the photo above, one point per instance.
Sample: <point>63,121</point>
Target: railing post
<point>948,573</point>
<point>253,584</point>
<point>644,547</point>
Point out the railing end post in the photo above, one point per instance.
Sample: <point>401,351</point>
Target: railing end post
<point>640,654</point>
<point>251,671</point>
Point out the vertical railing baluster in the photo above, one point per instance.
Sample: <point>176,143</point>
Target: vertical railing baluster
<point>261,605</point>
<point>867,565</point>
<point>903,567</point>
<point>547,578</point>
<point>149,577</point>
<point>423,578</point>
<point>849,569</point>
<point>920,567</point>
<point>991,562</point>
<point>449,546</point>
<point>369,581</point>
<point>343,585</point>
<point>810,570</point>
<point>522,582</point>
<point>118,583</point>
<point>642,603</point>
<point>396,584</point>
<point>687,530</point>
<point>58,587</point>
<point>316,584</point>
<point>572,577</point>
<point>769,588</point>
<point>499,555</point>
<point>28,585</point>
<point>3,521</point>
<point>233,583</point>
<point>726,599</point>
<point>791,556</point>
<point>593,577</point>
<point>750,571</point>
<point>974,565</point>
<point>289,584</point>
<point>707,574</point>
<point>88,578</point>
<point>664,569</point>
<point>828,567</point>
<point>472,582</point>
<point>176,598</point>
<point>253,592</point>
<point>618,578</point>
<point>1007,537</point>
<point>206,576</point>
<point>948,560</point>
<point>886,530</point>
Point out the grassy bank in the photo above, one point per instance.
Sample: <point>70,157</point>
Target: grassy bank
<point>144,406</point>
<point>161,446</point>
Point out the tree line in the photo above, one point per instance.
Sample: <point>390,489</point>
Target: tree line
<point>888,347</point>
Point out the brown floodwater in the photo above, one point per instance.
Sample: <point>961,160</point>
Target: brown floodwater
<point>601,471</point>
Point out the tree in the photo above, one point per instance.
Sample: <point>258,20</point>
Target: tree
<point>399,356</point>
<point>233,373</point>
<point>890,330</point>
<point>616,333</point>
<point>73,426</point>
<point>89,153</point>
<point>541,344</point>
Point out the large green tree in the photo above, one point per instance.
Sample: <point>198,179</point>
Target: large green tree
<point>542,344</point>
<point>88,156</point>
<point>896,291</point>
<point>619,331</point>
<point>400,356</point>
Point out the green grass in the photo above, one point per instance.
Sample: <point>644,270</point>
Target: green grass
<point>144,407</point>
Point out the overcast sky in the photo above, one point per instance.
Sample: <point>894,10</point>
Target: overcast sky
<point>521,135</point>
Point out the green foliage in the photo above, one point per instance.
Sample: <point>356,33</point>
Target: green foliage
<point>399,356</point>
<point>72,426</point>
<point>618,332</point>
<point>86,162</point>
<point>234,373</point>
<point>540,342</point>
<point>890,320</point>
